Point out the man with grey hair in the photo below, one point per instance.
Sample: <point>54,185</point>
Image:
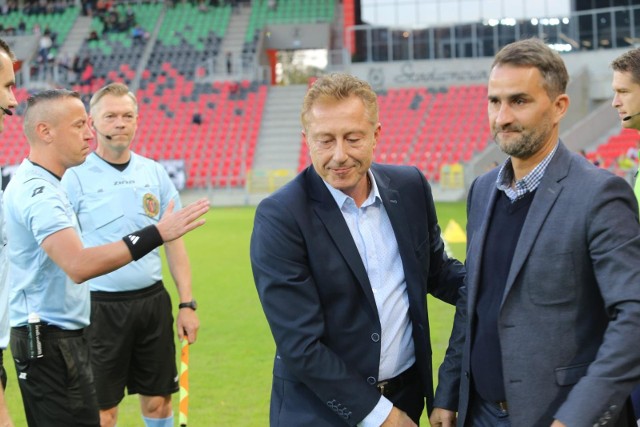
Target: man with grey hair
<point>7,102</point>
<point>113,191</point>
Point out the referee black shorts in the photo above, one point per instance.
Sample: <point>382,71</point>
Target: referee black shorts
<point>57,389</point>
<point>132,344</point>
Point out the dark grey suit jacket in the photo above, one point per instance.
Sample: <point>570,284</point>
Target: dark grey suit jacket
<point>569,322</point>
<point>318,301</point>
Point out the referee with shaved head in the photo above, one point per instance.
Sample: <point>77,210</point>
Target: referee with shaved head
<point>49,265</point>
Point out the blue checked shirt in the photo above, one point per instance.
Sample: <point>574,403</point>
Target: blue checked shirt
<point>373,235</point>
<point>525,185</point>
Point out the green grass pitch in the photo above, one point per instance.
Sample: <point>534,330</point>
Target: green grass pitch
<point>230,364</point>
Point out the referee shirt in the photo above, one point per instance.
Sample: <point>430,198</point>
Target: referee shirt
<point>36,206</point>
<point>4,285</point>
<point>111,203</point>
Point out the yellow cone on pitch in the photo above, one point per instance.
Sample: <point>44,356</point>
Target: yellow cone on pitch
<point>453,233</point>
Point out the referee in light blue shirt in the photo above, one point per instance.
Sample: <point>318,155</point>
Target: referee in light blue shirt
<point>48,264</point>
<point>131,334</point>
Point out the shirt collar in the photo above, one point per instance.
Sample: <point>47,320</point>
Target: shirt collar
<point>525,185</point>
<point>342,198</point>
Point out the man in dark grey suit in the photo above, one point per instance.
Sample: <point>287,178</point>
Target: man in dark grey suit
<point>547,331</point>
<point>343,258</point>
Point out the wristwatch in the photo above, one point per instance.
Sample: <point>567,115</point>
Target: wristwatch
<point>193,305</point>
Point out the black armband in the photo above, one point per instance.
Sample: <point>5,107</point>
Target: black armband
<point>143,241</point>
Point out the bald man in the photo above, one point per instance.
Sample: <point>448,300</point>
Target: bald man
<point>49,265</point>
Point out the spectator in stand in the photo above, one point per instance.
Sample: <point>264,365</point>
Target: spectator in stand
<point>86,78</point>
<point>138,34</point>
<point>44,46</point>
<point>229,59</point>
<point>93,36</point>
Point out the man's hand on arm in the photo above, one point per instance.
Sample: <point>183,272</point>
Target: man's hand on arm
<point>557,423</point>
<point>442,418</point>
<point>398,418</point>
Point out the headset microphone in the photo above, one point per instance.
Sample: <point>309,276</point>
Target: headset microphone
<point>109,137</point>
<point>624,119</point>
<point>6,111</point>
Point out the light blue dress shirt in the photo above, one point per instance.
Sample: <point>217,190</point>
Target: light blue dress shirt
<point>373,235</point>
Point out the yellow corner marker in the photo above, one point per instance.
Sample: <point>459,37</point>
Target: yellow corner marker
<point>184,383</point>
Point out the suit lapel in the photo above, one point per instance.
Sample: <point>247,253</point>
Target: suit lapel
<point>546,196</point>
<point>324,205</point>
<point>400,222</point>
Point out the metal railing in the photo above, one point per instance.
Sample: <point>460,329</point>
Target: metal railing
<point>607,28</point>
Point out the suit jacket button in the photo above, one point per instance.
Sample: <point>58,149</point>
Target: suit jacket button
<point>371,380</point>
<point>375,337</point>
<point>466,374</point>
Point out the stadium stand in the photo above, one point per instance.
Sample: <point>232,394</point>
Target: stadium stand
<point>14,146</point>
<point>289,12</point>
<point>115,54</point>
<point>285,12</point>
<point>217,151</point>
<point>435,128</point>
<point>59,23</point>
<point>189,36</point>
<point>608,153</point>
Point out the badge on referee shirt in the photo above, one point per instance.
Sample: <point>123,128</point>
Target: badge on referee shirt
<point>150,204</point>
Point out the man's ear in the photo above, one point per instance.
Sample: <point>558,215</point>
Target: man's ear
<point>561,105</point>
<point>44,132</point>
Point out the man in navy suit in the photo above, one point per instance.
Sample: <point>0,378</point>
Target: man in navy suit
<point>547,329</point>
<point>343,258</point>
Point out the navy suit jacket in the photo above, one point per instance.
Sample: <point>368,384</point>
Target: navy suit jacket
<point>569,321</point>
<point>318,300</point>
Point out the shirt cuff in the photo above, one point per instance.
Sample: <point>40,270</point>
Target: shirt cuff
<point>378,415</point>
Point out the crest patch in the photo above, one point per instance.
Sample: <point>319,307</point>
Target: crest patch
<point>150,204</point>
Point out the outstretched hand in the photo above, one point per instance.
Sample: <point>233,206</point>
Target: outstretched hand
<point>173,225</point>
